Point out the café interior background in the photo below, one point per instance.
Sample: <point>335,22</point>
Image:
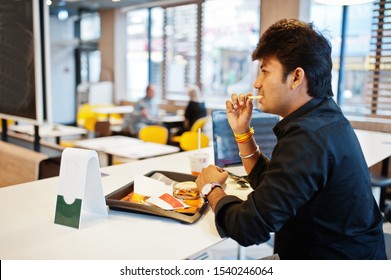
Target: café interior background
<point>173,44</point>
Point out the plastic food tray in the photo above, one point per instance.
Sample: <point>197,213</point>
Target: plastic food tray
<point>113,200</point>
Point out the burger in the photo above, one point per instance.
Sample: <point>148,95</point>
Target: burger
<point>186,190</point>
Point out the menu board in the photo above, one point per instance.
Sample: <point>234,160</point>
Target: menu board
<point>23,86</point>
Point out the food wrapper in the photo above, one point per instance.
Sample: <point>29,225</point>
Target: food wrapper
<point>167,202</point>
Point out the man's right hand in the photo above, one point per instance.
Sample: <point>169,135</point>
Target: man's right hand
<point>239,111</point>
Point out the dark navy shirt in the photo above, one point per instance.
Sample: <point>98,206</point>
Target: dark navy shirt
<point>194,111</point>
<point>314,192</point>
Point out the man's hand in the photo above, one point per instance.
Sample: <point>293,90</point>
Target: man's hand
<point>211,174</point>
<point>239,111</point>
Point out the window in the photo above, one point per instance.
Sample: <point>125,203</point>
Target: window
<point>90,65</point>
<point>180,50</point>
<point>379,85</point>
<point>87,53</point>
<point>137,53</point>
<point>230,34</point>
<point>356,68</point>
<point>89,26</point>
<point>218,58</point>
<point>329,20</point>
<point>144,51</point>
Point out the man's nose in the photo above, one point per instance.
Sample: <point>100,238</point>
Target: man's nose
<point>258,83</point>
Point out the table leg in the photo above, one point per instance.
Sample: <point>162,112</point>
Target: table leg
<point>4,135</point>
<point>109,159</point>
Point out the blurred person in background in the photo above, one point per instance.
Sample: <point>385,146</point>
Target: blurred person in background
<point>145,113</point>
<point>195,108</point>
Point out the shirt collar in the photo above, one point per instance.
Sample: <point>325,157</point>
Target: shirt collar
<point>314,102</point>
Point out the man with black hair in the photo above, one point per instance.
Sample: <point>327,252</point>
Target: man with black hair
<point>314,192</point>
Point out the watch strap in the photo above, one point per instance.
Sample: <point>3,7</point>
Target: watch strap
<point>212,187</point>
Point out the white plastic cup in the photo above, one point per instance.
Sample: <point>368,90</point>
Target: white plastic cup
<point>197,162</point>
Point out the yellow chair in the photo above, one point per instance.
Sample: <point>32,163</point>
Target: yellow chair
<point>9,123</point>
<point>86,111</point>
<point>89,123</point>
<point>154,133</point>
<point>189,141</point>
<point>150,133</point>
<point>200,123</point>
<point>85,118</point>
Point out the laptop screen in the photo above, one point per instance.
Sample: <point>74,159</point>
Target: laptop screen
<point>226,152</point>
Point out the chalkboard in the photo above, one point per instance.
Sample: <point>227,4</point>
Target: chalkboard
<point>24,89</point>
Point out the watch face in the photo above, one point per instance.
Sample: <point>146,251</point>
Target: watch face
<point>206,189</point>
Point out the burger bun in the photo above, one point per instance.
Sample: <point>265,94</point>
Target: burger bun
<point>186,190</point>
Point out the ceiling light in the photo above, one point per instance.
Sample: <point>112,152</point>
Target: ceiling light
<point>343,2</point>
<point>62,14</point>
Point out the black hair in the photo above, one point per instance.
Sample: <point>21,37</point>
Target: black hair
<point>298,44</point>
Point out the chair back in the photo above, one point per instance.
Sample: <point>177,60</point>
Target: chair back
<point>189,141</point>
<point>9,123</point>
<point>199,124</point>
<point>154,133</point>
<point>89,123</point>
<point>86,111</point>
<point>102,128</point>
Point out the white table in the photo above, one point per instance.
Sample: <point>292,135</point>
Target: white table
<point>172,119</point>
<point>113,109</point>
<point>126,147</point>
<point>109,110</point>
<point>376,146</point>
<point>50,130</point>
<point>167,119</point>
<point>28,232</point>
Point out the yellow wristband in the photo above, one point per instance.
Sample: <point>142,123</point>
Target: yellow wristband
<point>242,138</point>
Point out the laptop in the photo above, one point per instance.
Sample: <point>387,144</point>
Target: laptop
<point>226,152</point>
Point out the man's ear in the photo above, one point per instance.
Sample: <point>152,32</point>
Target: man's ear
<point>297,77</point>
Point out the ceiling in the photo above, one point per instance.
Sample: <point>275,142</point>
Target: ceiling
<point>97,4</point>
<point>74,5</point>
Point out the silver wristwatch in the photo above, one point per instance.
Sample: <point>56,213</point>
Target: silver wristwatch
<point>208,188</point>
